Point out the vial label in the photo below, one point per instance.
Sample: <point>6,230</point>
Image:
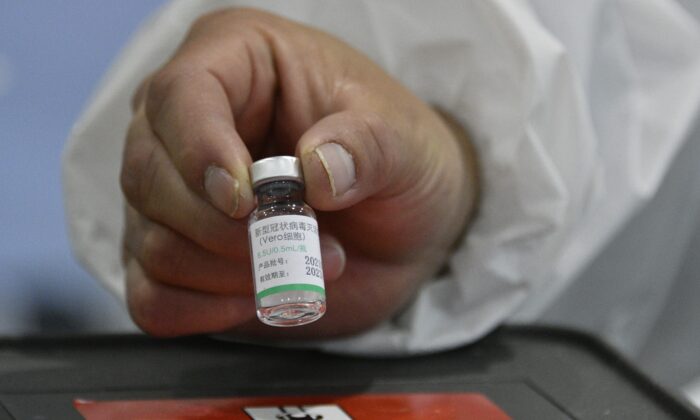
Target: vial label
<point>286,255</point>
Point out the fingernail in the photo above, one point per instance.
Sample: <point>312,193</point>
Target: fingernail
<point>222,189</point>
<point>339,166</point>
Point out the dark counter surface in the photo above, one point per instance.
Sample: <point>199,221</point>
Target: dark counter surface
<point>529,372</point>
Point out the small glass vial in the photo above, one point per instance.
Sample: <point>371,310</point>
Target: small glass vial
<point>284,246</point>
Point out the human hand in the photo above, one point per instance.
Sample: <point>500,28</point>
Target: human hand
<point>392,182</point>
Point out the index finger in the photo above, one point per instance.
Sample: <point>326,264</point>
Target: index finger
<point>211,107</point>
<point>191,116</point>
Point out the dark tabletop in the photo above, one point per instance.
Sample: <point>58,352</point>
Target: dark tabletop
<point>529,372</point>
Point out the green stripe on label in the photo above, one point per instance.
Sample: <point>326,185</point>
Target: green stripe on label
<point>291,287</point>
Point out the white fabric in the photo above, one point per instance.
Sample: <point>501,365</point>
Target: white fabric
<point>577,109</point>
<point>692,392</point>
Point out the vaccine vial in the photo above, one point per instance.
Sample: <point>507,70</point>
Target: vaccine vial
<point>284,246</point>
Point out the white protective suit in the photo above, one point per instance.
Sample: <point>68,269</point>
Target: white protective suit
<point>577,110</point>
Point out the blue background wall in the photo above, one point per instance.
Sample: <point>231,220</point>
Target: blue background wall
<point>52,55</point>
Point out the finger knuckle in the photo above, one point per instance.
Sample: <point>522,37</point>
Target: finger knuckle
<point>206,19</point>
<point>139,174</point>
<point>162,254</point>
<point>134,161</point>
<point>145,315</point>
<point>382,139</point>
<point>236,13</point>
<point>191,157</point>
<point>139,94</point>
<point>160,89</point>
<point>373,140</point>
<point>144,305</point>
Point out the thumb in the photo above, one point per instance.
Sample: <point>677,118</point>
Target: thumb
<point>350,156</point>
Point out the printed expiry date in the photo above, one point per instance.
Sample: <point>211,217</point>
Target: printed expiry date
<point>313,266</point>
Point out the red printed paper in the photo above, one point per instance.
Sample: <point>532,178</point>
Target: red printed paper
<point>408,406</point>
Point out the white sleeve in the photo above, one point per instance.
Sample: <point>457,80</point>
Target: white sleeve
<point>576,114</point>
